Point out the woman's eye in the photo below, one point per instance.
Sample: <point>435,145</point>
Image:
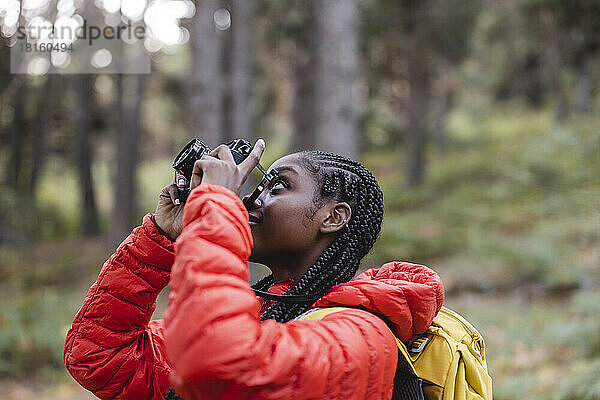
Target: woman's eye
<point>278,184</point>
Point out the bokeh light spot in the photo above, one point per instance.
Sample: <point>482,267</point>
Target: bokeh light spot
<point>101,58</point>
<point>222,19</point>
<point>38,66</point>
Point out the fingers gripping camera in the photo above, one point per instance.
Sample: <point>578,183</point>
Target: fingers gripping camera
<point>195,149</point>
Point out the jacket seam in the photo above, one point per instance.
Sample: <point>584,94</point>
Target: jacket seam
<point>344,354</point>
<point>144,308</point>
<point>118,258</point>
<point>380,334</point>
<point>135,241</point>
<point>84,312</point>
<point>129,357</point>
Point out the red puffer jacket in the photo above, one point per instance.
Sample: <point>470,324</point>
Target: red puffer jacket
<point>212,344</point>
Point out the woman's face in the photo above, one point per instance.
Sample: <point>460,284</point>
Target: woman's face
<point>285,221</point>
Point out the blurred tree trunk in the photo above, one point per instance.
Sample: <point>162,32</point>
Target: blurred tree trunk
<point>417,125</point>
<point>42,125</point>
<point>241,68</point>
<point>419,79</point>
<point>553,63</point>
<point>337,60</point>
<point>84,154</point>
<point>305,66</point>
<point>14,213</point>
<point>226,111</point>
<point>441,102</point>
<point>241,73</point>
<point>583,91</point>
<point>205,91</point>
<point>130,91</point>
<point>440,107</point>
<point>13,167</point>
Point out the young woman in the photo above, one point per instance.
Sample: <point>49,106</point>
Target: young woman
<point>218,340</point>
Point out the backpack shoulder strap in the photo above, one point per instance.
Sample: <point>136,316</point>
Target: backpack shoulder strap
<point>407,384</point>
<point>404,359</point>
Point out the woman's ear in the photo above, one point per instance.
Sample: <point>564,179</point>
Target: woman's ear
<point>337,217</point>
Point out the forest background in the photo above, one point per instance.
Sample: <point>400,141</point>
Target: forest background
<point>480,118</point>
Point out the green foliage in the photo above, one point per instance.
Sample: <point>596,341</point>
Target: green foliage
<point>33,330</point>
<point>57,200</point>
<point>445,25</point>
<point>581,383</point>
<point>583,337</point>
<point>13,229</point>
<point>152,177</point>
<point>514,192</point>
<point>39,294</point>
<point>538,346</point>
<point>511,206</point>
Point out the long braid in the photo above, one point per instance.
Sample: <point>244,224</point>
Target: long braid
<point>341,179</point>
<point>264,283</point>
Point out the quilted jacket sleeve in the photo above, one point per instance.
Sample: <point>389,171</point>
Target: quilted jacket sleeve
<point>220,350</point>
<point>112,348</point>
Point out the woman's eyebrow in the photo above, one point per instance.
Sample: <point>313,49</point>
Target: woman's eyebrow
<point>287,168</point>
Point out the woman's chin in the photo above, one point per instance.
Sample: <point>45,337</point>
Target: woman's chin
<point>259,257</point>
<point>255,256</point>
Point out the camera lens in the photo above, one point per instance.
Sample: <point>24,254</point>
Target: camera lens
<point>184,154</point>
<point>184,162</point>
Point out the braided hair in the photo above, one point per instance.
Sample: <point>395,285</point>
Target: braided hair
<point>338,178</point>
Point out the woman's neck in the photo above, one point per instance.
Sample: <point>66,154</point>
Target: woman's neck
<point>288,268</point>
<point>292,266</point>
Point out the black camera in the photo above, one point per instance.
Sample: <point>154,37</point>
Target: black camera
<point>195,149</point>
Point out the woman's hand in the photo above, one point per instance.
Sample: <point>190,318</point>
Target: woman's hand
<point>219,168</point>
<point>169,211</point>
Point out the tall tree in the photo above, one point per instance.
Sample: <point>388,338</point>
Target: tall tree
<point>305,76</point>
<point>241,67</point>
<point>13,227</point>
<point>336,73</point>
<point>13,167</point>
<point>408,40</point>
<point>205,90</point>
<point>83,153</point>
<point>29,123</point>
<point>419,77</point>
<point>129,109</point>
<point>42,126</point>
<point>553,61</point>
<point>570,36</point>
<point>443,92</point>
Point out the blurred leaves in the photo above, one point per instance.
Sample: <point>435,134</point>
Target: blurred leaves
<point>39,294</point>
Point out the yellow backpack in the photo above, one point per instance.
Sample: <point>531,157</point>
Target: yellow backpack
<point>446,362</point>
